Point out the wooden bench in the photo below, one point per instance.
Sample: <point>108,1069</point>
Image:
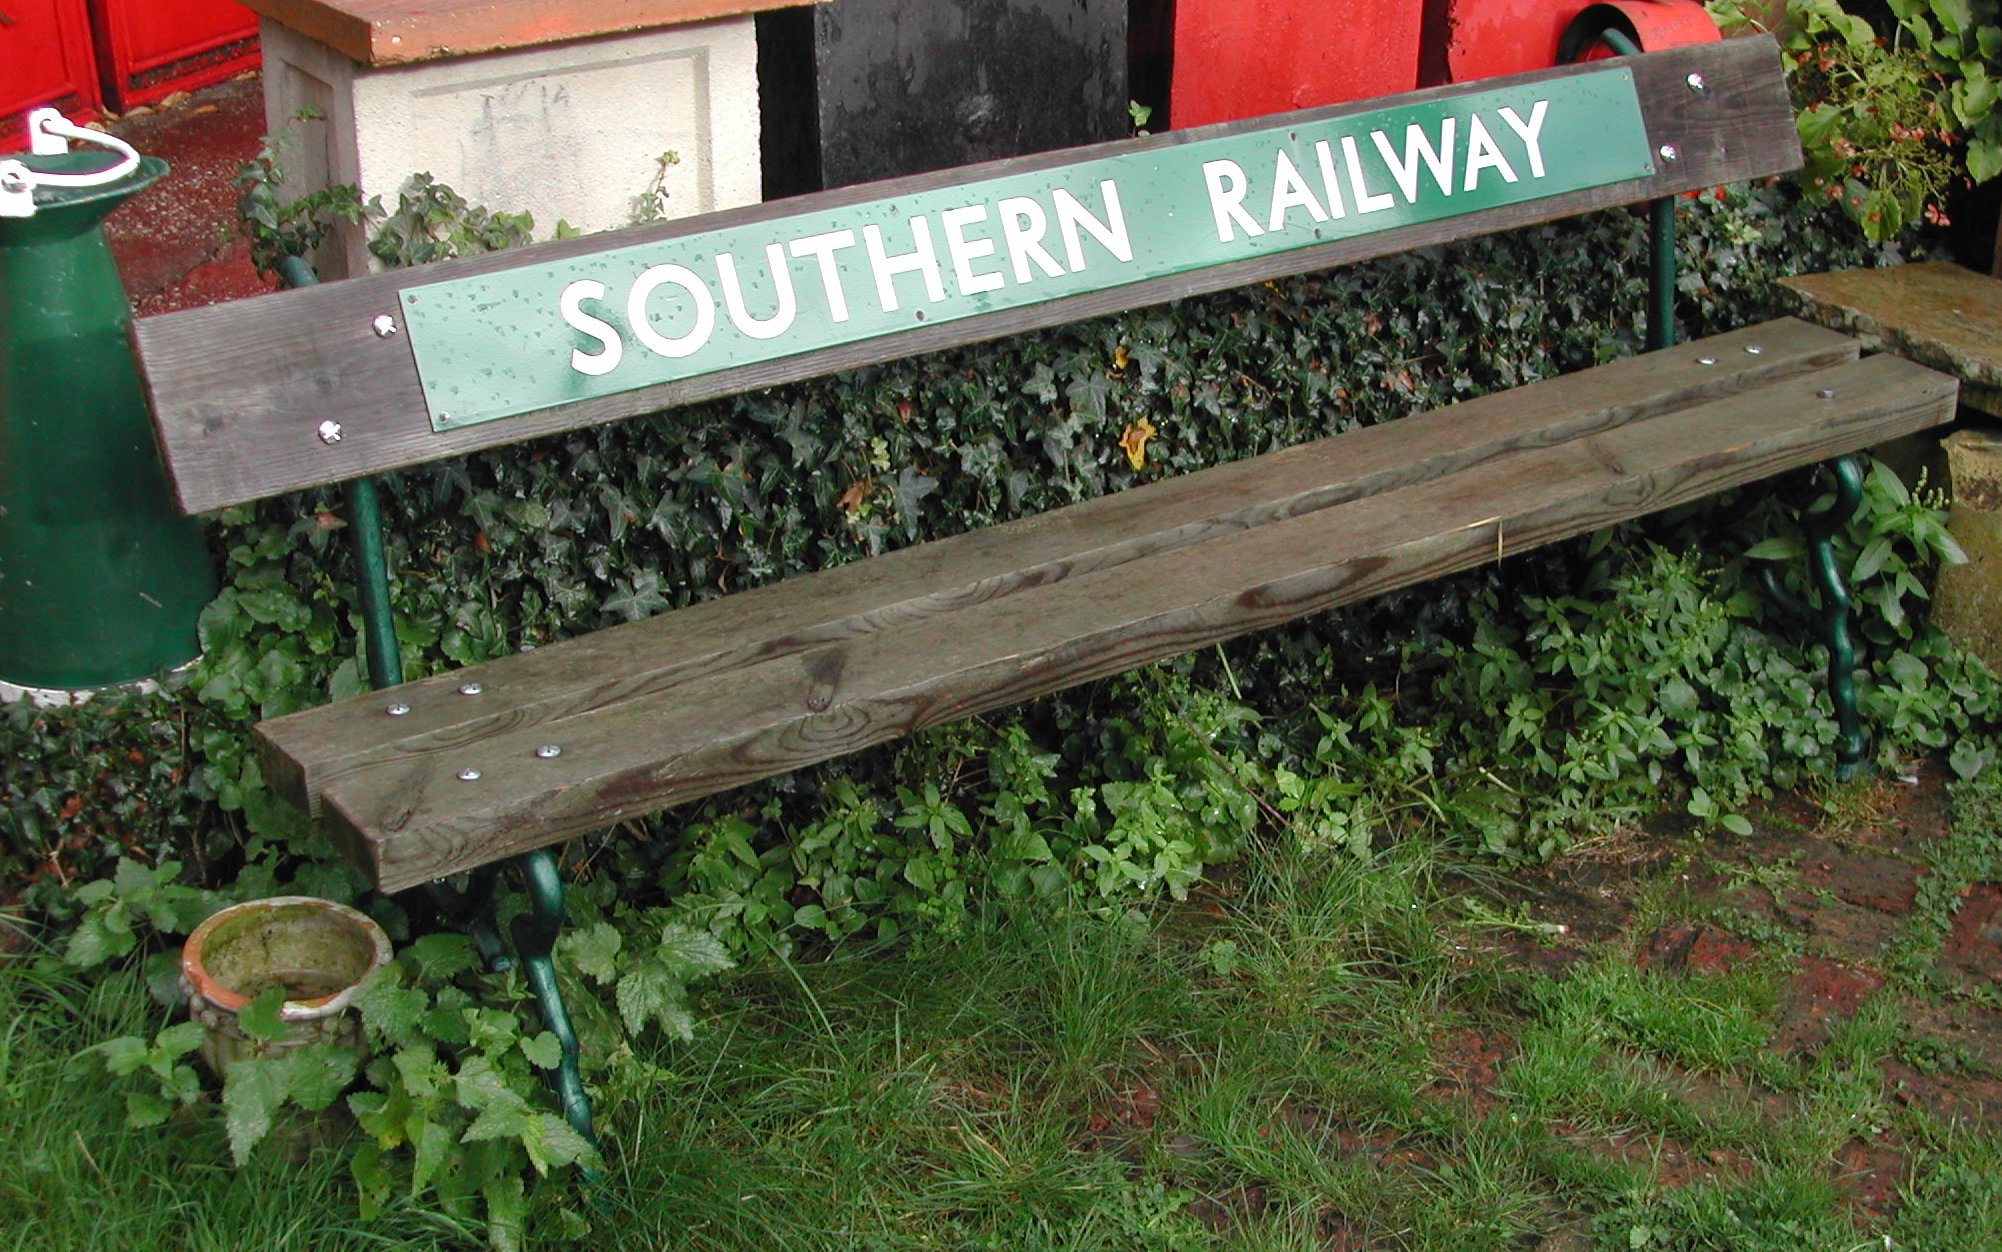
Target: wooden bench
<point>462,770</point>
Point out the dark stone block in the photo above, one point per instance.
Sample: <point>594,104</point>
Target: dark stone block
<point>860,90</point>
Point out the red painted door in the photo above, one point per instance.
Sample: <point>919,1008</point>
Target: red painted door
<point>153,48</point>
<point>45,58</point>
<point>1235,59</point>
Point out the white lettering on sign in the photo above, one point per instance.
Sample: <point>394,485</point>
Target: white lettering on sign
<point>671,309</point>
<point>597,328</point>
<point>1451,154</point>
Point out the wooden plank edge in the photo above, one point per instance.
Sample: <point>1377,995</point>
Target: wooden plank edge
<point>299,773</point>
<point>1922,399</point>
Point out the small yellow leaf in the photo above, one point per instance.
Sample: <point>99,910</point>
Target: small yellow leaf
<point>1133,441</point>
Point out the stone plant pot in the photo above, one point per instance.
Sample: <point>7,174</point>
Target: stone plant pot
<point>318,951</point>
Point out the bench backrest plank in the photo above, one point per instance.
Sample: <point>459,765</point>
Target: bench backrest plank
<point>307,751</point>
<point>240,390</point>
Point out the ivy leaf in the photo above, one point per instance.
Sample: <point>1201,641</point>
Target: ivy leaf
<point>638,599</point>
<point>910,488</point>
<point>1908,670</point>
<point>1954,15</point>
<point>1984,159</point>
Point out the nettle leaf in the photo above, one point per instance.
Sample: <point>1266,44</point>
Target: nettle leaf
<point>252,1092</point>
<point>544,1051</point>
<point>650,993</point>
<point>443,955</point>
<point>507,1212</point>
<point>432,1147</point>
<point>689,953</point>
<point>181,1039</point>
<point>503,1113</point>
<point>390,1011</point>
<point>260,1018</point>
<point>561,1144</point>
<point>592,950</point>
<point>316,1075</point>
<point>143,1109</point>
<point>99,938</point>
<point>123,1055</point>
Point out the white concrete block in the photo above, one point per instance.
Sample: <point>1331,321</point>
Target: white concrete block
<point>568,131</point>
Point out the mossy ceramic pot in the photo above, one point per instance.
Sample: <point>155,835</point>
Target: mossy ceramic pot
<point>318,951</point>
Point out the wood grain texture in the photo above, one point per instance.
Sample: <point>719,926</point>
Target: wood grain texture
<point>1934,312</point>
<point>412,819</point>
<point>239,389</point>
<point>308,751</point>
<point>395,32</point>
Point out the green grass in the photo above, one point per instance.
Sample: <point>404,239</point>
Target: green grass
<point>1259,1068</point>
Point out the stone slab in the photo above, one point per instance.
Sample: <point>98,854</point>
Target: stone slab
<point>393,32</point>
<point>567,132</point>
<point>1935,313</point>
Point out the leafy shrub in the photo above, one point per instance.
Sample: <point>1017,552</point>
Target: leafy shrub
<point>1889,121</point>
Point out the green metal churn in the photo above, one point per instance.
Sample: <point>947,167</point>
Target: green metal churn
<point>101,579</point>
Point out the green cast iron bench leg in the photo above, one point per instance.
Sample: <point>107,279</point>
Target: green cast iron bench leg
<point>1830,621</point>
<point>534,935</point>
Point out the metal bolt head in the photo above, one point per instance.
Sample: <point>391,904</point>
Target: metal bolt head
<point>549,751</point>
<point>1752,349</point>
<point>1668,152</point>
<point>469,774</point>
<point>397,710</point>
<point>1706,360</point>
<point>330,432</point>
<point>1696,82</point>
<point>471,689</point>
<point>384,326</point>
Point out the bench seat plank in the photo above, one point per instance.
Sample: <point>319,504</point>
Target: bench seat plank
<point>410,818</point>
<point>239,390</point>
<point>307,752</point>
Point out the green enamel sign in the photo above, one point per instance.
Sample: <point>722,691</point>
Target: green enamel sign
<point>538,336</point>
